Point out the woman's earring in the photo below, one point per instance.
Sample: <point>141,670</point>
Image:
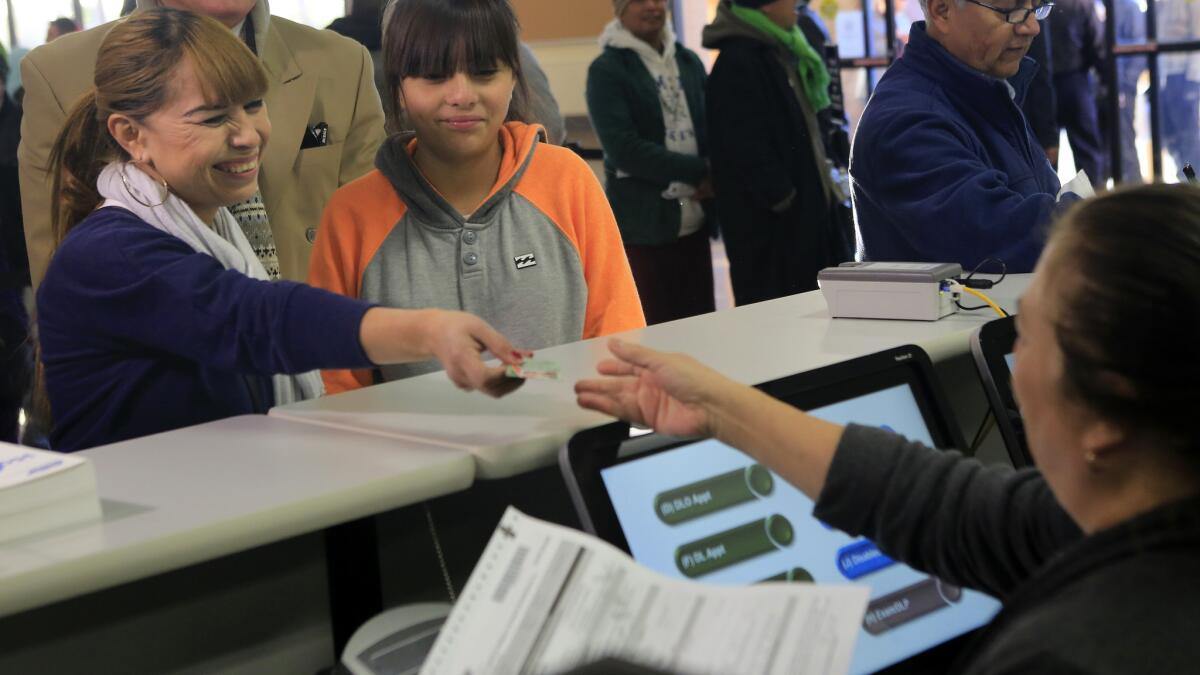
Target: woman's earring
<point>134,193</point>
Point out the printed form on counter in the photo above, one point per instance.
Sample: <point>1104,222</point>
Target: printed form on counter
<point>545,599</point>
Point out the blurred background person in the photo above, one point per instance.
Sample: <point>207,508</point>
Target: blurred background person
<point>15,353</point>
<point>775,190</point>
<point>1179,100</point>
<point>645,95</point>
<point>1130,29</point>
<point>540,105</point>
<point>363,24</point>
<point>60,27</point>
<point>1076,49</point>
<point>1040,108</point>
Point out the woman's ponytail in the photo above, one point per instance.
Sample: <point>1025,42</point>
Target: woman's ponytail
<point>80,152</point>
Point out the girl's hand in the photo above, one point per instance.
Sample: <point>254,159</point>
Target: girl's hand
<point>668,392</point>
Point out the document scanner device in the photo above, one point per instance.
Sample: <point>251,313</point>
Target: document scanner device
<point>891,290</point>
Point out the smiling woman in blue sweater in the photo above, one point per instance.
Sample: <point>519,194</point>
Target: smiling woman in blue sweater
<point>155,312</point>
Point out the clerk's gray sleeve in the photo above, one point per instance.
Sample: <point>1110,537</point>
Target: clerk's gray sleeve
<point>987,528</point>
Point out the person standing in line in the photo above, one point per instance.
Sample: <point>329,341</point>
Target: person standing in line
<point>1131,29</point>
<point>1179,73</point>
<point>470,209</point>
<point>645,95</point>
<point>60,27</point>
<point>15,354</point>
<point>1075,44</point>
<point>774,184</point>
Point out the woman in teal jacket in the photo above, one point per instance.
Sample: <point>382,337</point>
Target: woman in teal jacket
<point>645,96</point>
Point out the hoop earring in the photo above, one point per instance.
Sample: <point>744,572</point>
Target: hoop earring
<point>166,190</point>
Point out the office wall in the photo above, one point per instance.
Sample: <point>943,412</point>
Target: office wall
<point>563,36</point>
<point>559,19</point>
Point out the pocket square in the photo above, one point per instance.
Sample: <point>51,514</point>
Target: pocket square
<point>316,136</point>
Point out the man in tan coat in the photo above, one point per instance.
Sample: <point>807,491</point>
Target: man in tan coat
<point>325,112</point>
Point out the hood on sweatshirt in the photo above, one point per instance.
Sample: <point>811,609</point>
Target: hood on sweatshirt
<point>518,141</point>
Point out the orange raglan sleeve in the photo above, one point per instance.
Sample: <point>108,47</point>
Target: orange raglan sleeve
<point>613,303</point>
<point>345,241</point>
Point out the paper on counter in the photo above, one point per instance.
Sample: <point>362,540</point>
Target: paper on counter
<point>42,490</point>
<point>1080,185</point>
<point>544,599</point>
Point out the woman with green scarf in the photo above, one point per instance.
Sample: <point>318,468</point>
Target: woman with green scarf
<point>775,196</point>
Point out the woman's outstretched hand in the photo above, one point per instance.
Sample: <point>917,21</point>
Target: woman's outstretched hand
<point>456,339</point>
<point>668,392</point>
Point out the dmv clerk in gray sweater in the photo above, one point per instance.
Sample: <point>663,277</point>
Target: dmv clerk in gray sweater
<point>1095,552</point>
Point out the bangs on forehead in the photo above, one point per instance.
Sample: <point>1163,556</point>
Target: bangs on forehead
<point>228,71</point>
<point>471,40</point>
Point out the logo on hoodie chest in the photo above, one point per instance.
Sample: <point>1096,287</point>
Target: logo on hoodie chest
<point>523,261</point>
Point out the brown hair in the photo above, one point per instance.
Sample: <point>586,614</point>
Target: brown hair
<point>135,67</point>
<point>1128,314</point>
<point>438,38</point>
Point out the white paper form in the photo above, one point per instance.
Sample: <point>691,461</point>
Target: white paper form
<point>544,599</point>
<point>1080,185</point>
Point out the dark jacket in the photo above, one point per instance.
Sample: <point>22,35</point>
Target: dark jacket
<point>763,156</point>
<point>141,334</point>
<point>944,167</point>
<point>625,111</point>
<point>14,265</point>
<point>1118,601</point>
<point>1076,40</point>
<point>1040,106</point>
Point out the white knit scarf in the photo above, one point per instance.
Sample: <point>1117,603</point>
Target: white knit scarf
<point>677,116</point>
<point>223,240</point>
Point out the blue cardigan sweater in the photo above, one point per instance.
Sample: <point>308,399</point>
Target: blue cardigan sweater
<point>141,334</point>
<point>944,167</point>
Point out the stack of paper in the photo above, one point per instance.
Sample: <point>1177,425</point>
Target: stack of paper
<point>544,599</point>
<point>42,490</point>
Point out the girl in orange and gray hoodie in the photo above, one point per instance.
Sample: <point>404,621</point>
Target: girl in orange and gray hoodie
<point>469,209</point>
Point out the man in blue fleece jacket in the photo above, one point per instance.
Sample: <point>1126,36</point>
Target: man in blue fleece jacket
<point>944,167</point>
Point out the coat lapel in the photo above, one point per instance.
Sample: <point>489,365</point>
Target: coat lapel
<point>289,102</point>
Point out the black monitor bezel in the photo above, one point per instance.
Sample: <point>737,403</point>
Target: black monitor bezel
<point>989,345</point>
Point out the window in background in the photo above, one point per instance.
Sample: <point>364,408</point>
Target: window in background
<point>32,18</point>
<point>96,12</point>
<point>315,13</point>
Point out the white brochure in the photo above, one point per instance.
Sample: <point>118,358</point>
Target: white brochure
<point>1080,185</point>
<point>544,599</point>
<point>41,490</point>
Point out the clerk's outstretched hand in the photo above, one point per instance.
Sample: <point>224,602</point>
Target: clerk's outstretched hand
<point>677,395</point>
<point>668,392</point>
